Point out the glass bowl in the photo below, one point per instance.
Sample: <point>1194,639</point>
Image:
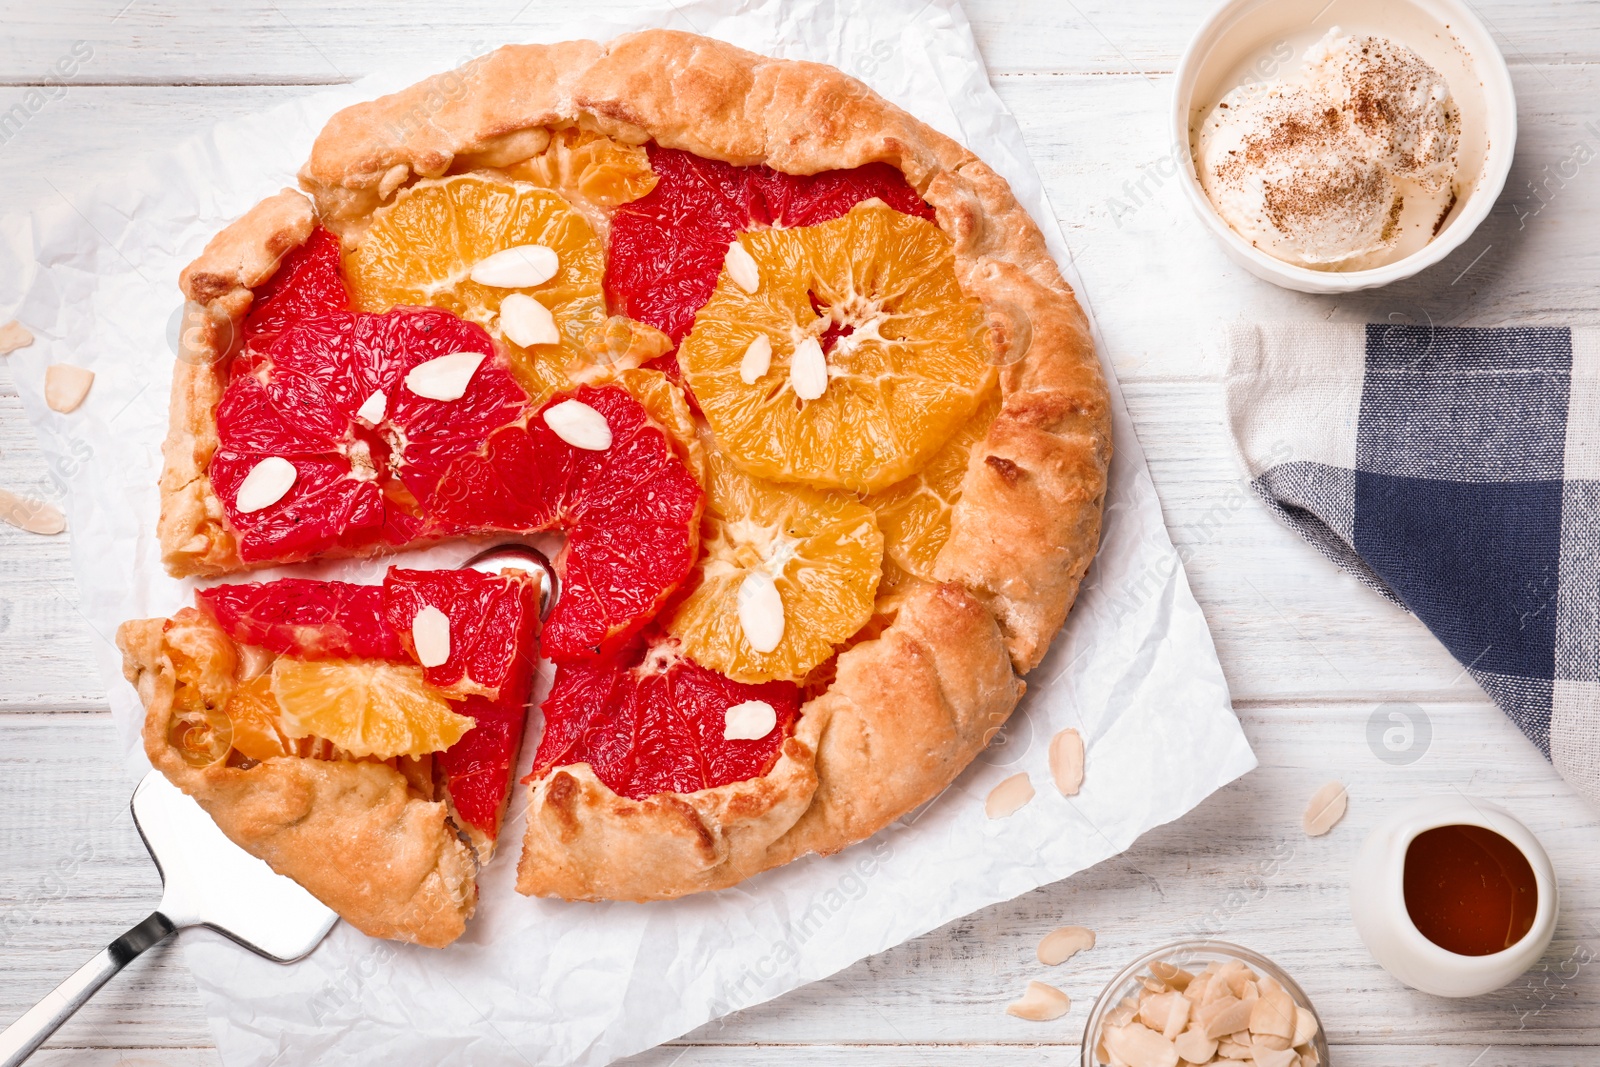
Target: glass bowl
<point>1192,956</point>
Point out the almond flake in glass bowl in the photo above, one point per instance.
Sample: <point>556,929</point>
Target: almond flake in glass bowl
<point>1203,1002</point>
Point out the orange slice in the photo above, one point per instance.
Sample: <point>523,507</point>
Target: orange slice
<point>906,354</point>
<point>364,707</point>
<point>421,250</point>
<point>821,551</point>
<point>254,713</point>
<point>591,165</point>
<point>914,514</point>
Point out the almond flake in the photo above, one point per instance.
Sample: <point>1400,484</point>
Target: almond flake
<point>34,516</point>
<point>1059,946</point>
<point>1264,1057</point>
<point>526,322</point>
<point>1008,797</point>
<point>518,267</point>
<point>1139,1046</point>
<point>760,611</point>
<point>373,408</point>
<point>1194,1046</point>
<point>757,358</point>
<point>741,267</point>
<point>444,378</point>
<point>579,425</point>
<point>1066,761</point>
<point>1040,1004</point>
<point>430,633</point>
<point>65,386</point>
<point>1305,1027</point>
<point>14,335</point>
<point>808,370</point>
<point>1326,808</point>
<point>750,721</point>
<point>265,484</point>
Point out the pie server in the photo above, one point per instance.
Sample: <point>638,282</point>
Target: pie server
<point>207,880</point>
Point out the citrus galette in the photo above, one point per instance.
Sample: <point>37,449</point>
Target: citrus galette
<point>791,376</point>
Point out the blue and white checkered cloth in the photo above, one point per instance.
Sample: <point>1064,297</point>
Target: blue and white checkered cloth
<point>1457,472</point>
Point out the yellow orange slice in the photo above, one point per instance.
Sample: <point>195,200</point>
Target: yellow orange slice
<point>914,514</point>
<point>421,250</point>
<point>364,707</point>
<point>821,551</point>
<point>885,396</point>
<point>590,165</point>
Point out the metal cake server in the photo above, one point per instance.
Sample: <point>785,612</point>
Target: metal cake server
<point>207,880</point>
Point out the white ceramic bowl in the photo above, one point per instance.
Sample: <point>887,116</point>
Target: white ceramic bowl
<point>1262,39</point>
<point>1377,900</point>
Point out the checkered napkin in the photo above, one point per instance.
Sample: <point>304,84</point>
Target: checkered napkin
<point>1456,472</point>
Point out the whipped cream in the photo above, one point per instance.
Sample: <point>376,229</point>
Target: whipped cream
<point>1348,165</point>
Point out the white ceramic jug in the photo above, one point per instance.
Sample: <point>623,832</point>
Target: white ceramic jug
<point>1377,898</point>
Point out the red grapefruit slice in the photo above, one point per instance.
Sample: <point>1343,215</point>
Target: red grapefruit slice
<point>649,720</point>
<point>631,513</point>
<point>301,617</point>
<point>308,281</point>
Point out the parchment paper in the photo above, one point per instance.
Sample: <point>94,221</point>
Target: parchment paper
<point>547,982</point>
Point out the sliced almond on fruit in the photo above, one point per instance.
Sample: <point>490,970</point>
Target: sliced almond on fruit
<point>750,721</point>
<point>34,516</point>
<point>445,378</point>
<point>1194,1046</point>
<point>1040,1004</point>
<point>65,386</point>
<point>373,408</point>
<point>760,610</point>
<point>517,267</point>
<point>1139,1046</point>
<point>1009,796</point>
<point>741,267</point>
<point>1066,761</point>
<point>14,335</point>
<point>265,485</point>
<point>1060,945</point>
<point>526,322</point>
<point>808,370</point>
<point>430,633</point>
<point>1326,808</point>
<point>579,425</point>
<point>757,358</point>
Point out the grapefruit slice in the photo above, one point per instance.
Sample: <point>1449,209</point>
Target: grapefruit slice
<point>329,396</point>
<point>667,248</point>
<point>873,356</point>
<point>630,510</point>
<point>650,720</point>
<point>308,282</point>
<point>492,626</point>
<point>428,247</point>
<point>302,617</point>
<point>819,553</point>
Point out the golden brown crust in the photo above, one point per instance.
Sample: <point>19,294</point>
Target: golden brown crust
<point>911,707</point>
<point>194,536</point>
<point>353,833</point>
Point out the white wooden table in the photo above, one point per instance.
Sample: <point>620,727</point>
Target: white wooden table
<point>1309,654</point>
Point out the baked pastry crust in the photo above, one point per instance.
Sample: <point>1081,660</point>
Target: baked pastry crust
<point>354,833</point>
<point>910,707</point>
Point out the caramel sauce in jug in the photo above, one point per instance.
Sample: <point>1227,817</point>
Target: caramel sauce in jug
<point>1469,890</point>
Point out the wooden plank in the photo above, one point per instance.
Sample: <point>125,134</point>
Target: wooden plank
<point>1237,868</point>
<point>302,41</point>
